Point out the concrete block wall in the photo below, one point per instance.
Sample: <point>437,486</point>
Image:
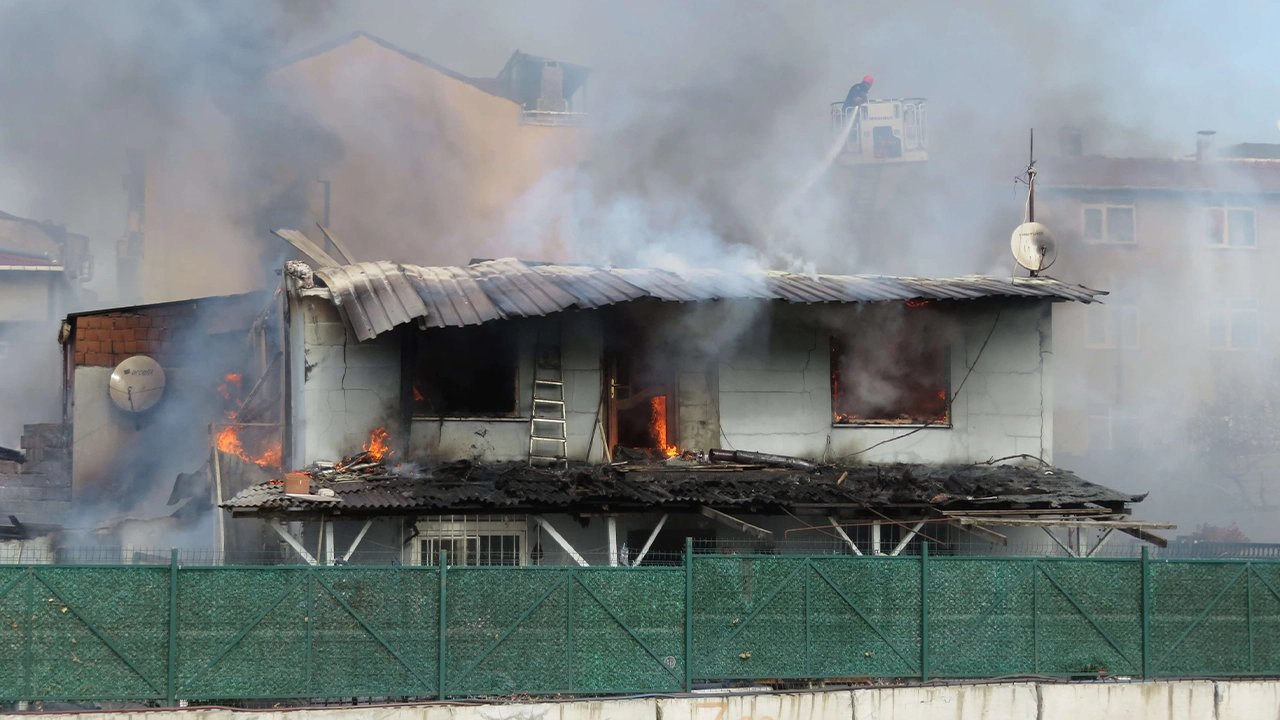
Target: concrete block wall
<point>347,388</point>
<point>776,397</point>
<point>39,490</point>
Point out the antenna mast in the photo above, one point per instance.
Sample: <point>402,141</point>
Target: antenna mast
<point>1031,180</point>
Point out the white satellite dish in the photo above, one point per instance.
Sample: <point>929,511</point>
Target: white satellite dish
<point>136,384</point>
<point>1033,246</point>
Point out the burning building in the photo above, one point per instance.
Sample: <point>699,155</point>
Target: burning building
<point>513,412</point>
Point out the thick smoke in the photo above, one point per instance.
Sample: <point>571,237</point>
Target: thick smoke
<point>709,124</point>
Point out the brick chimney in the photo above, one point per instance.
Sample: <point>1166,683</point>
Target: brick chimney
<point>1204,145</point>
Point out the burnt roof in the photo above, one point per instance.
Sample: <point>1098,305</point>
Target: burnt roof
<point>1251,176</point>
<point>510,487</point>
<point>374,297</point>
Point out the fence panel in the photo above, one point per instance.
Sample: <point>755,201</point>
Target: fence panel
<point>1200,622</point>
<point>1088,617</point>
<point>628,630</point>
<point>1264,596</point>
<point>864,617</point>
<point>83,633</point>
<point>509,631</point>
<point>375,632</point>
<point>980,617</point>
<point>749,617</point>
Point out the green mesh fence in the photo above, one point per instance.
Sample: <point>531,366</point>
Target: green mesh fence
<point>224,634</point>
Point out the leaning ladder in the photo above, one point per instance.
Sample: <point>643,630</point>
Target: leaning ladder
<point>548,425</point>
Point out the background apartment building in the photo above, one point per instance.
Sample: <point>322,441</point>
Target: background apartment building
<point>1173,381</point>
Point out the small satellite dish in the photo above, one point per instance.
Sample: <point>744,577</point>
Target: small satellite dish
<point>1033,246</point>
<point>137,384</point>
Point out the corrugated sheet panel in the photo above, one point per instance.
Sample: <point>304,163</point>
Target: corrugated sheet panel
<point>374,297</point>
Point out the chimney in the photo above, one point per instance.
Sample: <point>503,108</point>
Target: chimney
<point>1204,145</point>
<point>1071,141</point>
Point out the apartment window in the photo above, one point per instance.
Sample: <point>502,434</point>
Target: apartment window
<point>471,541</point>
<point>465,372</point>
<point>895,376</point>
<point>1234,326</point>
<point>1229,227</point>
<point>1111,428</point>
<point>1111,326</point>
<point>1109,224</point>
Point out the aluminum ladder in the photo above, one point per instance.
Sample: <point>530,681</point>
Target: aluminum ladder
<point>548,423</point>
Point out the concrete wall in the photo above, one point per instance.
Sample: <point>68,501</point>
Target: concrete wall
<point>1175,700</point>
<point>772,394</point>
<point>342,388</point>
<point>777,397</point>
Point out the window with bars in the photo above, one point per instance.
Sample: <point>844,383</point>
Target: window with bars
<point>471,541</point>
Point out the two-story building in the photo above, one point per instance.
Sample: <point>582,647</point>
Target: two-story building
<point>521,412</point>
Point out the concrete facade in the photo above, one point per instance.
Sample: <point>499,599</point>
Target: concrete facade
<point>1166,700</point>
<point>771,393</point>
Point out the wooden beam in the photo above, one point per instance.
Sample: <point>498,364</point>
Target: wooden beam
<point>649,543</point>
<point>342,249</point>
<point>1145,536</point>
<point>983,532</point>
<point>1049,522</point>
<point>308,248</point>
<point>736,524</point>
<point>560,540</point>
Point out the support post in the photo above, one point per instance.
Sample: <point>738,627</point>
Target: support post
<point>875,538</point>
<point>1102,540</point>
<point>1146,612</point>
<point>356,543</point>
<point>542,522</point>
<point>442,629</point>
<point>328,543</point>
<point>1065,548</point>
<point>612,529</point>
<point>171,679</point>
<point>1248,598</point>
<point>648,543</point>
<point>217,491</point>
<point>897,549</point>
<point>843,535</point>
<point>924,612</point>
<point>688,614</point>
<point>288,537</point>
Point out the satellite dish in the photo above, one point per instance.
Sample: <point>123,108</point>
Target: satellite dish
<point>136,384</point>
<point>1033,246</point>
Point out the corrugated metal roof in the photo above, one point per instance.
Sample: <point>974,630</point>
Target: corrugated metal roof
<point>517,486</point>
<point>374,297</point>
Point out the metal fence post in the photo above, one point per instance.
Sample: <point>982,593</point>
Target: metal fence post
<point>1146,613</point>
<point>688,614</point>
<point>924,611</point>
<point>442,630</point>
<point>171,683</point>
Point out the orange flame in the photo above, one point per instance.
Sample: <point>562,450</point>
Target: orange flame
<point>378,447</point>
<point>658,426</point>
<point>228,440</point>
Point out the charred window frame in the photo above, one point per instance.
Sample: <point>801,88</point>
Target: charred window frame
<point>1228,226</point>
<point>912,388</point>
<point>1108,223</point>
<point>464,372</point>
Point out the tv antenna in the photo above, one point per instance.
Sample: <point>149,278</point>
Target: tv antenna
<point>1032,244</point>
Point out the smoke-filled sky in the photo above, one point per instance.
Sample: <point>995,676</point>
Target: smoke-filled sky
<point>707,115</point>
<point>84,79</point>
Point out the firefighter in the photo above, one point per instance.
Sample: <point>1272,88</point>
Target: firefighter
<point>858,93</point>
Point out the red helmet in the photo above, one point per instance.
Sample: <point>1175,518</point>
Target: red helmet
<point>868,79</point>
